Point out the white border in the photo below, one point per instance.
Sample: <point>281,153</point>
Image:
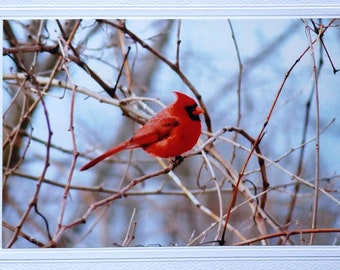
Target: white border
<point>254,258</point>
<point>274,257</point>
<point>168,8</point>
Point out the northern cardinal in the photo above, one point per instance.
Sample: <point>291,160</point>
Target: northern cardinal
<point>169,133</point>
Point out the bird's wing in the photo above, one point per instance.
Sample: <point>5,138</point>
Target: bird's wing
<point>156,129</point>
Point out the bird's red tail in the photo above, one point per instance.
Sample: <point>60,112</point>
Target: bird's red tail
<point>105,155</point>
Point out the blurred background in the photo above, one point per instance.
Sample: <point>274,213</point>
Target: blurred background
<point>61,108</point>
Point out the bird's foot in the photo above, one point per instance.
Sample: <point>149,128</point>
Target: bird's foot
<point>176,161</point>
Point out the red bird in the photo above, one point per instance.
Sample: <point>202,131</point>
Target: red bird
<point>169,133</point>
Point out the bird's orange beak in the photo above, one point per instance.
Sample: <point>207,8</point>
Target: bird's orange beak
<point>197,111</point>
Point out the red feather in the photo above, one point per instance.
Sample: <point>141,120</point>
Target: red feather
<point>169,133</point>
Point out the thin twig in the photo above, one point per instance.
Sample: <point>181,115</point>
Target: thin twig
<point>179,24</point>
<point>317,135</point>
<point>287,234</point>
<point>238,91</point>
<point>130,232</point>
<point>219,195</point>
